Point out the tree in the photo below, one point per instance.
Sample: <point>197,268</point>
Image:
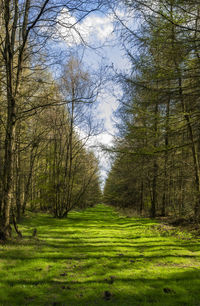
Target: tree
<point>159,111</point>
<point>25,29</point>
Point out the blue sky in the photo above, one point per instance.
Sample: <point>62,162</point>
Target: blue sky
<point>104,49</point>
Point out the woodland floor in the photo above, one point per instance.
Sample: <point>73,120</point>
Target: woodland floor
<point>98,257</point>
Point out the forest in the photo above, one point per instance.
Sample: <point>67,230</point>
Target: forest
<point>69,236</point>
<point>45,164</point>
<point>156,156</point>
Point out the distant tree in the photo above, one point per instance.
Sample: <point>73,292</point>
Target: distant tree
<point>66,172</point>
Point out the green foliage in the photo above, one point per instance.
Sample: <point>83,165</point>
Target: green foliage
<point>156,166</point>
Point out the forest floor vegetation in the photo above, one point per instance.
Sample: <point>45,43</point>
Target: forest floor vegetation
<point>172,223</point>
<point>99,257</point>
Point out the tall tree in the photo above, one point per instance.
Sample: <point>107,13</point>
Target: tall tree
<point>163,92</point>
<point>25,29</point>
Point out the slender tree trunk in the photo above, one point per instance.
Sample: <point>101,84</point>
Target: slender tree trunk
<point>165,191</point>
<point>155,164</point>
<point>141,197</point>
<point>18,181</point>
<point>8,166</point>
<point>28,182</point>
<point>70,184</point>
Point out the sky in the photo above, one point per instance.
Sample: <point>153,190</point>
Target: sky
<point>104,49</point>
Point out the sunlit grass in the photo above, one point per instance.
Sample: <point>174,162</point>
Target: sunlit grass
<point>76,260</point>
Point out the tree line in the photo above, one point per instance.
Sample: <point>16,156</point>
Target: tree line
<point>44,161</point>
<point>156,155</point>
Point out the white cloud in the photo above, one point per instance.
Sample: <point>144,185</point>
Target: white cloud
<point>93,29</point>
<point>101,27</point>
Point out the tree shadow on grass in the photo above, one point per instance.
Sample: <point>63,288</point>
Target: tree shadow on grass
<point>88,245</point>
<point>175,289</point>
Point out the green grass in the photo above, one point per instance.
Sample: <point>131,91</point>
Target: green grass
<point>75,260</point>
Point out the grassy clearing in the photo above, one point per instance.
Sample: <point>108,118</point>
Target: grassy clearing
<point>97,257</point>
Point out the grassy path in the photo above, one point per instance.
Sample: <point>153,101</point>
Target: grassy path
<point>99,258</point>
